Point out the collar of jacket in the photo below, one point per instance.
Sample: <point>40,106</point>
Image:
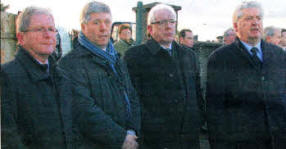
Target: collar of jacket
<point>83,52</point>
<point>265,47</point>
<point>35,70</point>
<point>154,47</point>
<point>239,44</point>
<point>127,43</point>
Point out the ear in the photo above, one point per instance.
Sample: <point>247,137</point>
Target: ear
<point>82,25</point>
<point>149,29</point>
<point>235,27</point>
<point>20,37</point>
<point>180,39</point>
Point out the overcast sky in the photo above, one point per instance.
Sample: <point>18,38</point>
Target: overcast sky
<point>207,18</point>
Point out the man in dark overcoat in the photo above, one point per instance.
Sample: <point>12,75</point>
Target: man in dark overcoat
<point>246,88</point>
<point>103,77</point>
<point>33,111</point>
<point>166,77</point>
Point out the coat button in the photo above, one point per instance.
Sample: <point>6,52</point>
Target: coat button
<point>262,78</point>
<point>171,75</point>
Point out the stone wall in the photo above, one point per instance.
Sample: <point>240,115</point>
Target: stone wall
<point>203,50</point>
<point>8,37</point>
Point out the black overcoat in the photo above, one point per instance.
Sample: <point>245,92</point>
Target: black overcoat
<point>169,92</point>
<point>35,105</point>
<point>244,102</point>
<point>98,83</point>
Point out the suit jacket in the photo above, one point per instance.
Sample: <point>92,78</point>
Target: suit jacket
<point>169,92</point>
<point>97,82</point>
<point>244,102</point>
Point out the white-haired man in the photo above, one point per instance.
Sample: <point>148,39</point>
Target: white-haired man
<point>166,77</point>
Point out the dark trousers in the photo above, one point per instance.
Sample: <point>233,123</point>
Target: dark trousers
<point>176,143</point>
<point>266,144</point>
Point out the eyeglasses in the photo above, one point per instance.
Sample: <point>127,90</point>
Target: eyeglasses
<point>42,30</point>
<point>165,22</point>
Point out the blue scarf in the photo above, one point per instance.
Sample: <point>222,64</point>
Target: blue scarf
<point>110,55</point>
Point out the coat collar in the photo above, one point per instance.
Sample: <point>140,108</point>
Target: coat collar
<point>243,51</point>
<point>35,70</point>
<point>154,47</point>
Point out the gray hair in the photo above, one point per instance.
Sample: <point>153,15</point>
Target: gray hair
<point>23,20</point>
<point>270,31</point>
<point>227,32</point>
<point>151,15</point>
<point>93,7</point>
<point>249,4</point>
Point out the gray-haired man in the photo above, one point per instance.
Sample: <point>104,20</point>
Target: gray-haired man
<point>103,77</point>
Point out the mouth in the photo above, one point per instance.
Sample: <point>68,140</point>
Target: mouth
<point>169,34</point>
<point>254,29</point>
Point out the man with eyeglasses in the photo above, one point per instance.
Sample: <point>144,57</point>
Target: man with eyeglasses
<point>33,112</point>
<point>166,77</point>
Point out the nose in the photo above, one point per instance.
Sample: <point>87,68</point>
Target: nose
<point>49,34</point>
<point>103,26</point>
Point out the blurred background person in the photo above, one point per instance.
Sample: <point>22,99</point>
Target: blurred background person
<point>283,39</point>
<point>272,35</point>
<point>229,36</point>
<point>125,39</point>
<point>186,38</point>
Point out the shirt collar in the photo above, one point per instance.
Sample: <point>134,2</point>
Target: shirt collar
<point>170,47</point>
<point>249,47</point>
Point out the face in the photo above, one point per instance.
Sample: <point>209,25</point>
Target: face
<point>283,34</point>
<point>98,28</point>
<point>249,27</point>
<point>283,42</point>
<point>125,34</point>
<point>275,39</point>
<point>229,38</point>
<point>40,38</point>
<point>163,28</point>
<point>188,40</point>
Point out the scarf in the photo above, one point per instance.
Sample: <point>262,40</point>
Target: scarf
<point>110,55</point>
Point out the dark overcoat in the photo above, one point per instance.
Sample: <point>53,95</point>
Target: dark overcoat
<point>35,105</point>
<point>244,102</point>
<point>169,92</point>
<point>99,84</point>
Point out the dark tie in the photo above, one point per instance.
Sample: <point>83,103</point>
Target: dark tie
<point>169,51</point>
<point>255,58</point>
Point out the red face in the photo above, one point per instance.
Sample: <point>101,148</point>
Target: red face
<point>40,37</point>
<point>98,29</point>
<point>249,27</point>
<point>164,27</point>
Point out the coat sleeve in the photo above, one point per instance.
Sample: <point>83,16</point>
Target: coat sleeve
<point>93,123</point>
<point>215,96</point>
<point>10,137</point>
<point>135,121</point>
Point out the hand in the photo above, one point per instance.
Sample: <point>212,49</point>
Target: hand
<point>130,142</point>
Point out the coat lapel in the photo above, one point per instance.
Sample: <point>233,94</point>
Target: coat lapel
<point>241,51</point>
